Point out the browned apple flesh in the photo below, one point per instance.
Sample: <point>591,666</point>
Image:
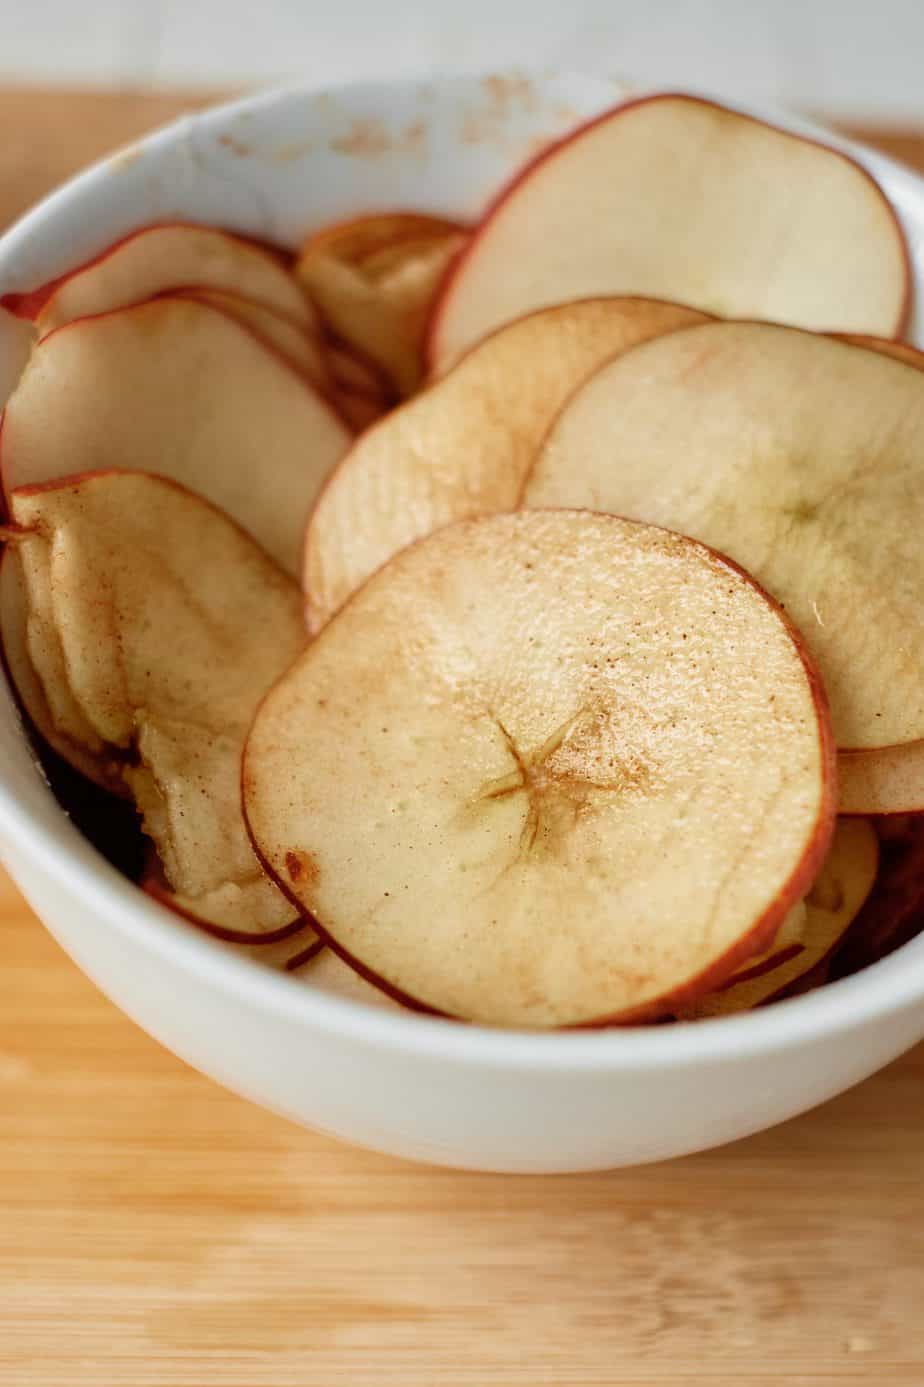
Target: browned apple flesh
<point>463,447</point>
<point>547,769</point>
<point>834,901</point>
<point>679,198</point>
<point>170,623</point>
<point>373,280</point>
<point>797,455</point>
<point>172,256</point>
<point>180,388</point>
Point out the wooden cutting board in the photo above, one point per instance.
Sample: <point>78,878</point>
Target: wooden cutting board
<point>156,1230</point>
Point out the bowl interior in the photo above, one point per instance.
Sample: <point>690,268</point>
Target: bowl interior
<point>277,167</point>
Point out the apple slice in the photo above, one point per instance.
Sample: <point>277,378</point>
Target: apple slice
<point>682,199</point>
<point>887,781</point>
<point>157,258</point>
<point>894,913</point>
<point>177,387</point>
<point>462,448</point>
<point>274,948</point>
<point>302,348</point>
<point>171,623</point>
<point>58,721</point>
<point>355,240</point>
<point>797,455</point>
<point>546,770</point>
<point>836,898</point>
<point>373,281</point>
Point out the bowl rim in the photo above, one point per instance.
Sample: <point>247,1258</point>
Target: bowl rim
<point>60,853</point>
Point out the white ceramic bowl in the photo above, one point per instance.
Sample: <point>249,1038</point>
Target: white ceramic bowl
<point>276,167</point>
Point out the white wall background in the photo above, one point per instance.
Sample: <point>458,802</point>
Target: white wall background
<point>850,58</point>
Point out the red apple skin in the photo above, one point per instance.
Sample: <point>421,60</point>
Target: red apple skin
<point>758,938</point>
<point>455,269</point>
<point>30,303</point>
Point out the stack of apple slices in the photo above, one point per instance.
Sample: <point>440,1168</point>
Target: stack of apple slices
<point>153,625</point>
<point>608,622</point>
<point>139,649</point>
<point>794,453</point>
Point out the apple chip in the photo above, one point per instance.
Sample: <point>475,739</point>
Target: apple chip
<point>887,781</point>
<point>547,769</point>
<point>894,913</point>
<point>57,718</point>
<point>836,898</point>
<point>158,258</point>
<point>356,240</point>
<point>373,280</point>
<point>679,198</point>
<point>179,388</point>
<point>169,624</point>
<point>797,455</point>
<point>463,447</point>
<point>301,347</point>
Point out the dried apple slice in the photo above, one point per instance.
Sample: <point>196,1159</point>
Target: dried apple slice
<point>546,770</point>
<point>834,901</point>
<point>462,448</point>
<point>302,348</point>
<point>373,281</point>
<point>682,199</point>
<point>177,387</point>
<point>797,455</point>
<point>59,721</point>
<point>171,624</point>
<point>894,913</point>
<point>158,258</point>
<point>887,781</point>
<point>353,241</point>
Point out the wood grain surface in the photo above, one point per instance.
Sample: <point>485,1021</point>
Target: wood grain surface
<point>156,1230</point>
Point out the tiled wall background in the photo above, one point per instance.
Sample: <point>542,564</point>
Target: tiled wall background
<point>860,59</point>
